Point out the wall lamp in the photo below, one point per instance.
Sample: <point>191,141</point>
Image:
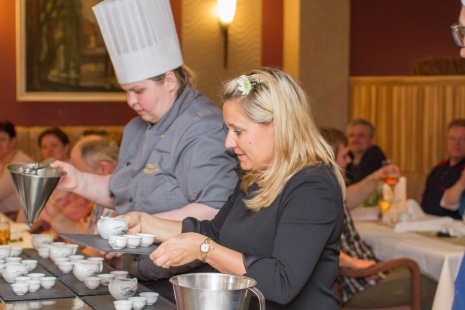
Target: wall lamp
<point>226,11</point>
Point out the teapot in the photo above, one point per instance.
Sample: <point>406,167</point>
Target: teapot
<point>110,226</point>
<point>14,270</point>
<point>84,268</point>
<point>122,288</point>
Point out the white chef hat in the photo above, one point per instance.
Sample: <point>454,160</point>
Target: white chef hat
<point>140,37</point>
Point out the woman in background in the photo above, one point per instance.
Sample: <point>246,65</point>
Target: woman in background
<point>54,143</point>
<point>9,154</point>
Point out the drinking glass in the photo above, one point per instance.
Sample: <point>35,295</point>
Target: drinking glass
<point>391,179</point>
<point>4,231</point>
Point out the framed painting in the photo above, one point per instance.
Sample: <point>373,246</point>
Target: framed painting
<point>60,53</point>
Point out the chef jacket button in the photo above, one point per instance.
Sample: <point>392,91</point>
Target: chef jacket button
<point>128,163</point>
<point>131,200</point>
<point>112,195</point>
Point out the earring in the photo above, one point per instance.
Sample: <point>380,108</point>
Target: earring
<point>173,87</point>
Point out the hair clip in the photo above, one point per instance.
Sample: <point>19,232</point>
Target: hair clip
<point>247,83</point>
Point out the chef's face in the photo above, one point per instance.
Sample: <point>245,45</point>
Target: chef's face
<point>150,99</point>
<point>252,142</point>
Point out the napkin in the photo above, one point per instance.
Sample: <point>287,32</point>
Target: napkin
<point>426,223</point>
<point>18,228</point>
<point>455,229</point>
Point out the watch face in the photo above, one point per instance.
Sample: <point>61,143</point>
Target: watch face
<point>204,247</point>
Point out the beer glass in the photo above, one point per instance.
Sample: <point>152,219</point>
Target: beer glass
<point>4,231</point>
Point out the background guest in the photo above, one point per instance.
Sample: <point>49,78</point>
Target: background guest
<point>9,200</point>
<point>447,178</point>
<point>369,292</point>
<point>282,224</point>
<point>54,143</point>
<point>366,156</point>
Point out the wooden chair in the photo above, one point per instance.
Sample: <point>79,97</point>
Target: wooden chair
<point>415,300</point>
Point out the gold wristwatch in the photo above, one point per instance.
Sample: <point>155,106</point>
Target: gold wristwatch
<point>205,248</point>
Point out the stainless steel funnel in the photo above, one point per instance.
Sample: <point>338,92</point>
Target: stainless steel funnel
<point>34,189</point>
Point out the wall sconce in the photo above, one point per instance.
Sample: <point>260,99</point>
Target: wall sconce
<point>226,11</point>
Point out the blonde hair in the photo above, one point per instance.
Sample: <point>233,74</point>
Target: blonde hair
<point>276,97</point>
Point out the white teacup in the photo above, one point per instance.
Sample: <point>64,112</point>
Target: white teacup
<point>74,247</point>
<point>120,274</point>
<point>16,251</point>
<point>147,239</point>
<point>34,285</point>
<point>123,304</point>
<point>105,278</point>
<point>13,259</point>
<point>5,251</point>
<point>65,267</point>
<point>133,241</point>
<point>75,258</point>
<point>36,275</point>
<point>44,252</point>
<point>20,288</point>
<point>31,264</point>
<point>60,251</point>
<point>22,279</point>
<point>98,260</point>
<point>138,302</point>
<point>117,242</point>
<point>92,282</point>
<point>39,240</point>
<point>47,282</point>
<point>152,297</point>
<point>109,226</point>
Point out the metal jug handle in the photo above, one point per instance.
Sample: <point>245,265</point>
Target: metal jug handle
<point>261,298</point>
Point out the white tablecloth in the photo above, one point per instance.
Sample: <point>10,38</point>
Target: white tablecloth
<point>437,259</point>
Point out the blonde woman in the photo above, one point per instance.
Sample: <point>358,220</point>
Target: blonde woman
<point>282,224</point>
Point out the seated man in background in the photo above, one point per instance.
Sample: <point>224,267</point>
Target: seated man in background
<point>95,154</point>
<point>366,156</point>
<point>9,154</point>
<point>447,179</point>
<point>355,254</point>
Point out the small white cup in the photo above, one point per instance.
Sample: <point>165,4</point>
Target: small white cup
<point>73,246</point>
<point>120,274</point>
<point>36,275</point>
<point>44,252</point>
<point>34,285</point>
<point>20,288</point>
<point>117,242</point>
<point>14,259</point>
<point>15,251</point>
<point>75,258</point>
<point>151,297</point>
<point>105,278</point>
<point>22,279</point>
<point>138,302</point>
<point>92,282</point>
<point>31,264</point>
<point>5,251</point>
<point>98,260</point>
<point>65,267</point>
<point>133,241</point>
<point>123,304</point>
<point>47,282</point>
<point>147,239</point>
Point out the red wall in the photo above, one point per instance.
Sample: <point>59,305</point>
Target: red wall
<point>387,36</point>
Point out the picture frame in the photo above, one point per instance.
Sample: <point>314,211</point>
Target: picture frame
<point>61,55</point>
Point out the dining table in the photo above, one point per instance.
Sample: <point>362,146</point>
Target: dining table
<point>438,257</point>
<point>68,292</point>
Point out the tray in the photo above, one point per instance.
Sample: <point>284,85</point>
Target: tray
<point>98,243</point>
<point>59,290</point>
<point>105,302</point>
<point>80,288</point>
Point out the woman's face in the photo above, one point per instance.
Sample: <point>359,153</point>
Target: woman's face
<point>6,145</point>
<point>51,146</point>
<point>252,142</point>
<point>150,99</point>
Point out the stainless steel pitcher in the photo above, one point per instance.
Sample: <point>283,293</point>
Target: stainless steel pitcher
<point>213,291</point>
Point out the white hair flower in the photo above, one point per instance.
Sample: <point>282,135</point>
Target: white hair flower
<point>245,84</point>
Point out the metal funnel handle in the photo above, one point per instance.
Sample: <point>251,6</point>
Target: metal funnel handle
<point>261,298</point>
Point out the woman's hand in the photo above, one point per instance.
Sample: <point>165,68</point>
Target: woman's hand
<point>178,250</point>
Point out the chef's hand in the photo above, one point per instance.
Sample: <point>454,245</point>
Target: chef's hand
<point>69,181</point>
<point>178,250</point>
